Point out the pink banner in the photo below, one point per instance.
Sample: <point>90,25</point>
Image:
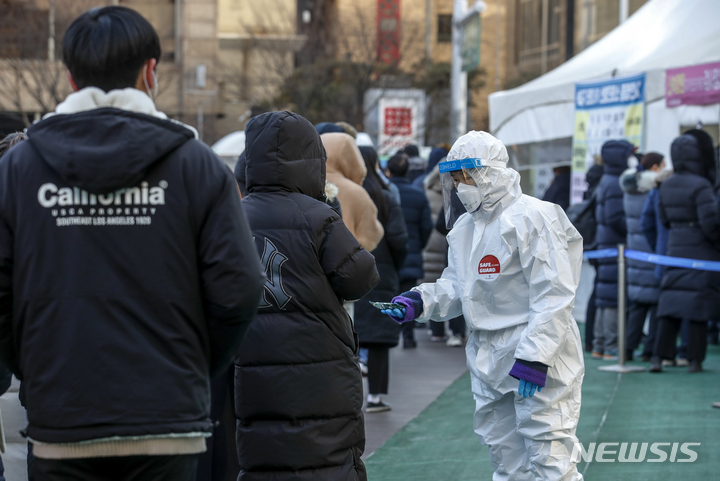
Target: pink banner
<point>696,85</point>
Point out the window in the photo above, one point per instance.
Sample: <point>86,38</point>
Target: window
<point>529,30</point>
<point>554,15</point>
<point>444,32</point>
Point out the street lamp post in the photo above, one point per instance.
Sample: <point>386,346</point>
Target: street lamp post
<point>458,78</point>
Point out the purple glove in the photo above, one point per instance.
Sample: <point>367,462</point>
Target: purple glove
<point>413,305</point>
<point>534,372</point>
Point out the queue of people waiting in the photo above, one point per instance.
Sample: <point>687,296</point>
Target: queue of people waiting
<point>641,201</point>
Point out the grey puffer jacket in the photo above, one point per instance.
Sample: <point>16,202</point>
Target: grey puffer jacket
<point>643,286</point>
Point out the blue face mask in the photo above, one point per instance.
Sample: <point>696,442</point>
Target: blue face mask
<point>470,197</point>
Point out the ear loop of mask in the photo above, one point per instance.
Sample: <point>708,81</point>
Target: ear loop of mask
<point>152,93</point>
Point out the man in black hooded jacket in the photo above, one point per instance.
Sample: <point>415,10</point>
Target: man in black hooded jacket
<point>298,386</point>
<point>127,271</point>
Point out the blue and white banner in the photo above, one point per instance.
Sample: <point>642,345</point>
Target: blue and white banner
<point>607,110</point>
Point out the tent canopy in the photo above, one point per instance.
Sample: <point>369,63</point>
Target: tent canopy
<point>662,34</point>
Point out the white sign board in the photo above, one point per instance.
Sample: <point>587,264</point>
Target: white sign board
<point>606,110</point>
<point>399,124</point>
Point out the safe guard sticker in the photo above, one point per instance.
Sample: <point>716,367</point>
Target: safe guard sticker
<point>489,268</point>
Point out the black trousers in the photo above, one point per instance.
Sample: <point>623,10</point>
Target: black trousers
<point>122,468</point>
<point>219,462</point>
<point>635,322</point>
<point>457,327</point>
<point>590,321</point>
<point>378,369</point>
<point>666,342</point>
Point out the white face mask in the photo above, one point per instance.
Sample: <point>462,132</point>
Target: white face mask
<point>154,92</point>
<point>470,197</point>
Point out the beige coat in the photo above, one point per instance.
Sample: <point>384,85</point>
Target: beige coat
<point>346,169</point>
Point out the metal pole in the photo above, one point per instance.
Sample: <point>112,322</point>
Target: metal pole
<point>51,31</point>
<point>544,33</point>
<point>458,77</point>
<point>428,30</point>
<point>498,39</point>
<point>621,304</point>
<point>624,10</point>
<point>200,119</point>
<point>620,366</point>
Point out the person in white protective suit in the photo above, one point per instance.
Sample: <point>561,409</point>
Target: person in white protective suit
<point>514,266</point>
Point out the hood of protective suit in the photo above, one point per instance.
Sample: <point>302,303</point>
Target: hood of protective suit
<point>344,157</point>
<point>498,184</point>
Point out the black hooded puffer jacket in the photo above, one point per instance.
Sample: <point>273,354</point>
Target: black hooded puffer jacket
<point>298,387</point>
<point>610,215</point>
<point>687,209</point>
<point>127,273</point>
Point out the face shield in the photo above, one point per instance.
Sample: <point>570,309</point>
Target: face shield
<point>460,179</point>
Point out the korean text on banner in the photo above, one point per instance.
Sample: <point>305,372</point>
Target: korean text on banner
<point>607,110</point>
<point>696,85</point>
<point>399,124</point>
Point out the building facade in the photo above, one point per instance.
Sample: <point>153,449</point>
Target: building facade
<point>225,60</point>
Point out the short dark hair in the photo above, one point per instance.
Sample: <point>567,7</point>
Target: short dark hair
<point>11,141</point>
<point>411,150</point>
<point>650,160</point>
<point>398,165</point>
<point>107,47</point>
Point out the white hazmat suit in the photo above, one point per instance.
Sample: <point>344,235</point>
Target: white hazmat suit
<point>513,269</point>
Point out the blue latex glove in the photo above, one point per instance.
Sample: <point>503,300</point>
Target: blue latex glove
<point>527,388</point>
<point>397,314</point>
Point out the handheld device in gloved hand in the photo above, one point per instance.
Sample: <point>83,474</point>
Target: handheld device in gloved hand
<point>392,309</point>
<point>404,308</point>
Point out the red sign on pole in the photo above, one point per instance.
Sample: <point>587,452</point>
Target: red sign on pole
<point>398,121</point>
<point>388,31</point>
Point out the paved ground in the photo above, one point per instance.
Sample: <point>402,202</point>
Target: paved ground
<point>417,377</point>
<point>672,407</point>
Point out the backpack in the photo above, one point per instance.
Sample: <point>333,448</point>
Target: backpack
<point>582,216</point>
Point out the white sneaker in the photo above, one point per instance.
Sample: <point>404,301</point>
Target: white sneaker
<point>454,341</point>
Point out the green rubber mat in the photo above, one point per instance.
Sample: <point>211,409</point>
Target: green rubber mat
<point>672,407</point>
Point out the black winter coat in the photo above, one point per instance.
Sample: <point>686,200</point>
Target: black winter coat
<point>298,387</point>
<point>419,223</point>
<point>642,285</point>
<point>559,191</point>
<point>687,209</point>
<point>371,325</point>
<point>610,215</point>
<point>127,274</point>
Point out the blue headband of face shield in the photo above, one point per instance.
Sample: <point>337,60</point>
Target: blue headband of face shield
<point>453,165</point>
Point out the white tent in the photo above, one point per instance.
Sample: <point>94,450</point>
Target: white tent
<point>230,147</point>
<point>662,34</point>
